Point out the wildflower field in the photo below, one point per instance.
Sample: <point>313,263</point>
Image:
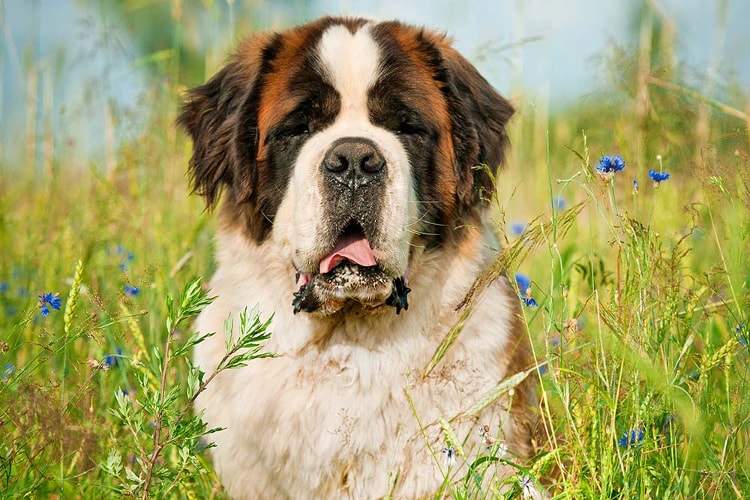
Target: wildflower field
<point>625,220</point>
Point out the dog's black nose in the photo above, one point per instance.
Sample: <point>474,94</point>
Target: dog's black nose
<point>354,162</point>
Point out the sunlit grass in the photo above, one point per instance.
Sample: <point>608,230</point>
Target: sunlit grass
<point>640,330</point>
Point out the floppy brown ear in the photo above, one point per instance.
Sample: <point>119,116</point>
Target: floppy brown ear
<point>215,114</point>
<point>479,116</point>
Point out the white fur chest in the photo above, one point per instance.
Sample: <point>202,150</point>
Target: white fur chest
<point>338,413</point>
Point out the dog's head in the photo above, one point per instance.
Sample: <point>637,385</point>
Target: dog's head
<point>349,143</point>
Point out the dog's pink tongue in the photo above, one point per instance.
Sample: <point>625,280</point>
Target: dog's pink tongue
<point>352,247</point>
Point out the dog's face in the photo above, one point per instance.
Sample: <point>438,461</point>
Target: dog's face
<point>348,143</point>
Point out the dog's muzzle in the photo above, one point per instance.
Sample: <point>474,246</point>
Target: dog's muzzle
<point>354,174</point>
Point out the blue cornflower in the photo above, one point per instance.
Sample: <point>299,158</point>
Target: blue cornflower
<point>523,282</point>
<point>631,438</point>
<point>51,300</point>
<point>132,290</point>
<point>518,228</point>
<point>635,186</point>
<point>9,370</point>
<point>543,369</point>
<point>4,287</point>
<point>125,254</point>
<point>113,359</point>
<point>529,301</point>
<point>742,335</point>
<point>658,177</point>
<point>126,257</point>
<point>559,203</point>
<point>524,286</point>
<point>610,164</point>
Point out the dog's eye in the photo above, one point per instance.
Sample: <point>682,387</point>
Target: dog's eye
<point>295,129</point>
<point>300,129</point>
<point>409,128</point>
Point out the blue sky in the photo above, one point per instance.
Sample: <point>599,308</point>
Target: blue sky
<point>547,49</point>
<point>551,48</point>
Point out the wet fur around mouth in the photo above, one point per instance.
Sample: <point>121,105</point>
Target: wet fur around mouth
<point>327,292</point>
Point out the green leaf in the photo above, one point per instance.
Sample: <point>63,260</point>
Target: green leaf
<point>195,339</point>
<point>132,476</point>
<point>114,462</point>
<point>194,380</point>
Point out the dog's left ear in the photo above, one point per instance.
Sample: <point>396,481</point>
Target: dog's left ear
<point>479,116</point>
<point>220,117</point>
<point>209,116</point>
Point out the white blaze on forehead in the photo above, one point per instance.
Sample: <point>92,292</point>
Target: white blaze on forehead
<point>351,61</point>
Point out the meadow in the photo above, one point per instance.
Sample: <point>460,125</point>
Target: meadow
<point>634,290</point>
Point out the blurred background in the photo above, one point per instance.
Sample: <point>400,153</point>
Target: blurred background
<point>642,313</point>
<point>78,77</point>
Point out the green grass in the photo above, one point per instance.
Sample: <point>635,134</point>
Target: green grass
<point>642,315</point>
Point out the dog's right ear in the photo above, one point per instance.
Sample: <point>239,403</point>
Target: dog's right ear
<point>213,113</point>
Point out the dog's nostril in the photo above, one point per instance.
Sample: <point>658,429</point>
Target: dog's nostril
<point>372,164</point>
<point>356,159</point>
<point>336,163</point>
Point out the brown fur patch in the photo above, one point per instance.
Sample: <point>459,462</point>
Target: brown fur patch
<point>426,95</point>
<point>297,45</point>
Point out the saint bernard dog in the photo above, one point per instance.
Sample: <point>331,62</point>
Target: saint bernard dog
<point>356,159</point>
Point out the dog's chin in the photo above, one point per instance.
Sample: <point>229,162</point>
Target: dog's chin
<point>348,285</point>
<point>367,285</point>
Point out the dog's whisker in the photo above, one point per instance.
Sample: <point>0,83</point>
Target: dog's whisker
<point>426,221</point>
<point>422,233</point>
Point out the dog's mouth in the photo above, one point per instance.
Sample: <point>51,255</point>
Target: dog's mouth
<point>349,272</point>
